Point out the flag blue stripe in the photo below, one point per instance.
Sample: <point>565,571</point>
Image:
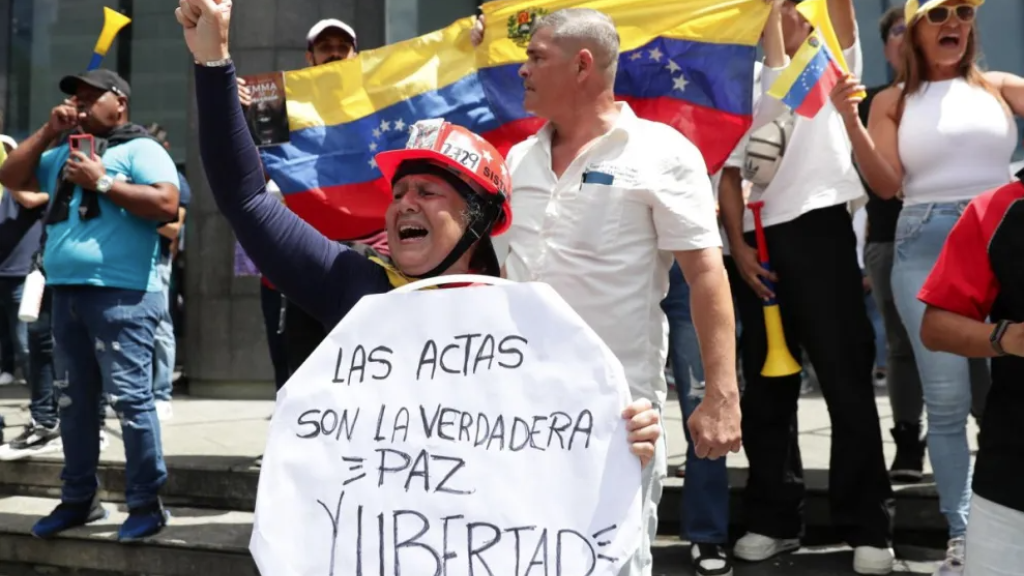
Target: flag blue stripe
<point>807,79</point>
<point>715,76</point>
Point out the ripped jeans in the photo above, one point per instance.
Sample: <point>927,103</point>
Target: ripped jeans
<point>103,344</point>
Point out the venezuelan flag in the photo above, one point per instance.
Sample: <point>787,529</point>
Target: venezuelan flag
<point>687,63</point>
<point>806,83</point>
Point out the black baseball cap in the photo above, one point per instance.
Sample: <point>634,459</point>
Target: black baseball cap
<point>100,78</point>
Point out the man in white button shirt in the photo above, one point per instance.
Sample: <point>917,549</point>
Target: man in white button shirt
<point>603,201</point>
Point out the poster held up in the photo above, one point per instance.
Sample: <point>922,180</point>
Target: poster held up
<point>466,431</point>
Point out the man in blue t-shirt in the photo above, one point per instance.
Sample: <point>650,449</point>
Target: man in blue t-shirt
<point>164,346</point>
<point>108,197</point>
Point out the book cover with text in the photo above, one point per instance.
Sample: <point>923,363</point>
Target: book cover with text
<point>267,115</point>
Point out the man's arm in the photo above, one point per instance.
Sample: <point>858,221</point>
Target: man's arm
<point>686,225</point>
<point>713,318</point>
<point>173,229</point>
<point>962,287</point>
<point>844,22</point>
<point>18,172</point>
<point>945,331</point>
<point>29,200</point>
<point>765,108</point>
<point>157,202</point>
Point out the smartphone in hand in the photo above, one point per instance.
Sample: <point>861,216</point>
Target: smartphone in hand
<point>83,143</point>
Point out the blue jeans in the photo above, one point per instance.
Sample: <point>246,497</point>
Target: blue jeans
<point>40,365</point>
<point>13,332</point>
<point>104,346</point>
<point>164,342</point>
<point>945,378</point>
<point>881,346</point>
<point>705,503</point>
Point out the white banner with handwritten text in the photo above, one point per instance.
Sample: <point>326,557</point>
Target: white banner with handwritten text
<point>471,431</point>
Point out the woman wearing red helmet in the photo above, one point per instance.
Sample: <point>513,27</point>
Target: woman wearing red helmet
<point>451,193</point>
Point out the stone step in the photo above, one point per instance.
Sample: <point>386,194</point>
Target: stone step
<point>230,484</point>
<point>917,513</point>
<point>216,483</point>
<point>196,541</point>
<point>204,541</point>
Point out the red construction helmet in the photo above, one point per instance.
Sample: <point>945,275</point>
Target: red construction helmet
<point>461,151</point>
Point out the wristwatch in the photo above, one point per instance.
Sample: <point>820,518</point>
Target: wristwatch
<point>104,184</point>
<point>996,336</point>
<point>215,63</point>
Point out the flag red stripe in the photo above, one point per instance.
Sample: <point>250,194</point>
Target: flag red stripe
<point>351,211</point>
<point>821,92</point>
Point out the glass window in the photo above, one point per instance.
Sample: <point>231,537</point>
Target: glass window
<point>410,18</point>
<point>49,39</point>
<point>53,38</point>
<point>159,71</point>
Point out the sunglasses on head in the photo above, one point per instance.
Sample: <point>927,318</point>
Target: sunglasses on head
<point>942,14</point>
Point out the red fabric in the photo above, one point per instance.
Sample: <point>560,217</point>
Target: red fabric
<point>962,280</point>
<point>713,131</point>
<point>821,91</point>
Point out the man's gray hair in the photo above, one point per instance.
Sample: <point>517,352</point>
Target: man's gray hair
<point>585,28</point>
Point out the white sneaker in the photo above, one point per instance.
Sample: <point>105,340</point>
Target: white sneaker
<point>6,379</point>
<point>756,547</point>
<point>164,411</point>
<point>104,441</point>
<point>954,563</point>
<point>871,560</point>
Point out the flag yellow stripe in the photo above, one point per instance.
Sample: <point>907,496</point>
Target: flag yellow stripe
<point>791,73</point>
<point>638,22</point>
<point>342,92</point>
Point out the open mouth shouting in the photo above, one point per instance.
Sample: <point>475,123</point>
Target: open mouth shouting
<point>950,40</point>
<point>411,233</point>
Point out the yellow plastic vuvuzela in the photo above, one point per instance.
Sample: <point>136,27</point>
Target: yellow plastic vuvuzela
<point>113,22</point>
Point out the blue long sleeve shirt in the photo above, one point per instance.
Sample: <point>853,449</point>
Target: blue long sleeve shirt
<point>323,277</point>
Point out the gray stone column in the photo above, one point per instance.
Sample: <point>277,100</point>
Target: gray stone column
<point>227,353</point>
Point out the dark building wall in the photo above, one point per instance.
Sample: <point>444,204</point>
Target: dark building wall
<point>224,337</point>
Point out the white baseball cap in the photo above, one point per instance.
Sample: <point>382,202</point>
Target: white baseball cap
<point>326,24</point>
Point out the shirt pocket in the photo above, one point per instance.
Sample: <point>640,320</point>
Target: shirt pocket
<point>596,212</point>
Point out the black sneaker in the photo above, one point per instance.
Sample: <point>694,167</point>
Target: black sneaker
<point>33,441</point>
<point>710,560</point>
<point>908,466</point>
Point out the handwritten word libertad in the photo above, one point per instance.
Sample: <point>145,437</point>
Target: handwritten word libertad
<point>392,540</point>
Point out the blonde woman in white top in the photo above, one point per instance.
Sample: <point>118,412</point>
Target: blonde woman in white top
<point>943,134</point>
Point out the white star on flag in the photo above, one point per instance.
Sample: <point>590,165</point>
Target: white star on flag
<point>376,132</point>
<point>372,162</point>
<point>673,67</point>
<point>385,125</point>
<point>399,125</point>
<point>656,54</point>
<point>373,146</point>
<point>680,83</point>
<point>636,55</point>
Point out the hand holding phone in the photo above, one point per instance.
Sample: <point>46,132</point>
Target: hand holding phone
<point>83,143</point>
